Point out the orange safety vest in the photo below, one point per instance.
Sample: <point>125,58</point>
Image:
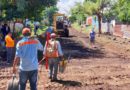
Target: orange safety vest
<point>52,49</point>
<point>9,41</point>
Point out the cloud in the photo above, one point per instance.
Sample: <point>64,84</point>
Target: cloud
<point>64,6</point>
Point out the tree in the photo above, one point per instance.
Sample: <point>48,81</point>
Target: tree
<point>49,12</point>
<point>122,10</point>
<point>96,7</point>
<point>72,18</point>
<point>24,8</point>
<point>77,13</point>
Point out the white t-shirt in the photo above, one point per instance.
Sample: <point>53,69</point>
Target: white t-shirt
<point>36,23</point>
<point>18,27</point>
<point>11,25</point>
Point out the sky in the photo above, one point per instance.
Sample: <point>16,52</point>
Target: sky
<point>64,6</point>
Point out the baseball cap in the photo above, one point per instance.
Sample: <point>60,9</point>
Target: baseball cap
<point>26,30</point>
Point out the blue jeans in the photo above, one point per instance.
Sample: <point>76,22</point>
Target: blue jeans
<point>53,67</point>
<point>10,54</point>
<point>35,31</point>
<point>28,75</point>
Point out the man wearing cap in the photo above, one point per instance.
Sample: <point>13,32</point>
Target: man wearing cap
<point>9,47</point>
<point>53,51</point>
<point>26,53</point>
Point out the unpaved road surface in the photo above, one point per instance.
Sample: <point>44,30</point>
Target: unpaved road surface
<point>106,67</point>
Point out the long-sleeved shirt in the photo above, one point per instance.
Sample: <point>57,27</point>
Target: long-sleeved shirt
<point>27,49</point>
<point>60,52</point>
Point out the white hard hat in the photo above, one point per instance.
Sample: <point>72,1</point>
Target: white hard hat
<point>53,35</point>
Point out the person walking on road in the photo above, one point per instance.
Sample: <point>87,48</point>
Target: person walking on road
<point>53,51</point>
<point>10,44</point>
<point>26,53</point>
<point>92,38</point>
<point>36,26</point>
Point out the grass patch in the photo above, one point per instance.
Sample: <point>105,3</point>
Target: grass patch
<point>76,26</point>
<point>40,31</point>
<point>85,30</point>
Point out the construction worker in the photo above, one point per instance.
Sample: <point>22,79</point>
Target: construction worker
<point>48,32</point>
<point>9,47</point>
<point>53,51</point>
<point>26,53</point>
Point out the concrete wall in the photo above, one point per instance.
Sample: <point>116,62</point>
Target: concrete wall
<point>120,30</point>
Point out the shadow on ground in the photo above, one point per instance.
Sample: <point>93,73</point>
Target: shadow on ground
<point>69,83</point>
<point>75,49</point>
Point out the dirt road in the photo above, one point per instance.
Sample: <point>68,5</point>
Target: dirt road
<point>106,67</point>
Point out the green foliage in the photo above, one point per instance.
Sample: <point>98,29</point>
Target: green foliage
<point>49,12</point>
<point>24,8</point>
<point>122,10</point>
<point>77,13</point>
<point>93,7</point>
<point>90,7</point>
<point>72,19</point>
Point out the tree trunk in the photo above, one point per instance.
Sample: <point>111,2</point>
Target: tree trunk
<point>99,23</point>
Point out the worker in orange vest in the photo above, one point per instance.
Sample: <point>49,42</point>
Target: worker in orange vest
<point>53,51</point>
<point>9,47</point>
